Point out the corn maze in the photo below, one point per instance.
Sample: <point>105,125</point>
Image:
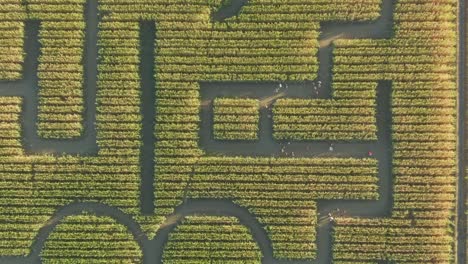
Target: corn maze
<point>225,131</point>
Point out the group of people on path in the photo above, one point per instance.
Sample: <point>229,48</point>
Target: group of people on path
<point>316,86</point>
<point>280,86</point>
<point>337,212</point>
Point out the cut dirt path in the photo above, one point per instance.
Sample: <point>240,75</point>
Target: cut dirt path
<point>461,218</point>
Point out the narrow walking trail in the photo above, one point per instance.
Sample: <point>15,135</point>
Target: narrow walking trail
<point>461,218</point>
<point>148,112</point>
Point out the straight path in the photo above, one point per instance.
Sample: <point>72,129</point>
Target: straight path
<point>462,82</point>
<point>148,113</point>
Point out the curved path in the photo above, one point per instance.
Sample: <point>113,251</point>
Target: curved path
<point>78,208</point>
<point>215,207</point>
<point>152,249</point>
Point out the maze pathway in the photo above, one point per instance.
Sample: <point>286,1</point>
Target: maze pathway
<point>144,152</point>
